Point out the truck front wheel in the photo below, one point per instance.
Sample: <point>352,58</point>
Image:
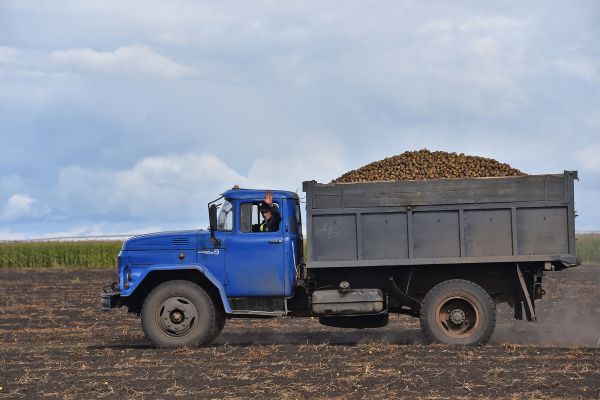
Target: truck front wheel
<point>180,313</point>
<point>458,312</point>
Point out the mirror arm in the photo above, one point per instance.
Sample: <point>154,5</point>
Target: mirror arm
<point>216,242</point>
<point>212,216</point>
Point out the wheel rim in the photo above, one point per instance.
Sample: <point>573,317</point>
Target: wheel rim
<point>177,316</point>
<point>457,317</point>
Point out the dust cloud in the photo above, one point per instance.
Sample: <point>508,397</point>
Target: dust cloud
<point>567,316</point>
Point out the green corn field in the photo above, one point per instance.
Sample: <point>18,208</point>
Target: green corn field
<point>103,254</point>
<point>76,254</point>
<point>588,247</point>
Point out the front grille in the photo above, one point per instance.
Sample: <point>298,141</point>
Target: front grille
<point>180,241</point>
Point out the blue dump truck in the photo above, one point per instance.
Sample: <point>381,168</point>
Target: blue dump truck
<point>445,251</point>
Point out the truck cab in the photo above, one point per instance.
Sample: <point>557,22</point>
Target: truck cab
<point>239,269</point>
<point>251,262</point>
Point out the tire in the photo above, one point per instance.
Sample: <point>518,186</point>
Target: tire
<point>458,312</point>
<point>219,325</point>
<point>180,313</point>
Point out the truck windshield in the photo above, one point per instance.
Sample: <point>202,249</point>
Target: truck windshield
<point>225,216</point>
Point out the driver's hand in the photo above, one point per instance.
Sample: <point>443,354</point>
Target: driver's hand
<point>268,198</point>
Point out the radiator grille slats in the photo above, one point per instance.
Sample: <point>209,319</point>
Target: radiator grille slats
<point>180,241</point>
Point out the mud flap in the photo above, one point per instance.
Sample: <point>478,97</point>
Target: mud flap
<point>526,300</point>
<point>519,310</point>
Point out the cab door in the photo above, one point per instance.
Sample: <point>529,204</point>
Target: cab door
<point>255,260</point>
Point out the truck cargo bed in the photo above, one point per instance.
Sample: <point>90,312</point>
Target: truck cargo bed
<point>441,221</point>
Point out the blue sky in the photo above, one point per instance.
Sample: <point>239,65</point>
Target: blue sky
<point>125,117</point>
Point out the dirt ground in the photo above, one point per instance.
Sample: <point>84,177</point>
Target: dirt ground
<point>55,343</point>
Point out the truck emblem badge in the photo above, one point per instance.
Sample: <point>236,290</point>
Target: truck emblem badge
<point>214,252</point>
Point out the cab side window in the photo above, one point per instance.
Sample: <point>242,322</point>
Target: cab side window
<point>225,217</point>
<point>298,219</point>
<point>250,218</point>
<point>247,210</point>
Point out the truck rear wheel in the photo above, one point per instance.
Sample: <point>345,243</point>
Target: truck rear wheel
<point>458,312</point>
<point>180,313</point>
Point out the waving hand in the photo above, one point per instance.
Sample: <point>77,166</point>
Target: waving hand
<point>268,198</point>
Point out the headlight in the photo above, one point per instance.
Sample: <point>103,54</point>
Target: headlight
<point>127,278</point>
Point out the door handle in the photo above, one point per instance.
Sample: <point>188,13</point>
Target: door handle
<point>279,241</point>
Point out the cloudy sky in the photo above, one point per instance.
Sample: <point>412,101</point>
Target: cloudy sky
<point>128,116</point>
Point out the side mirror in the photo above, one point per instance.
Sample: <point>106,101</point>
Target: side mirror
<point>212,217</point>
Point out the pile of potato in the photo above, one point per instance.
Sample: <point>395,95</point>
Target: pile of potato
<point>425,164</point>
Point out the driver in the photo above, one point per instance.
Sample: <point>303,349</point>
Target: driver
<point>270,214</point>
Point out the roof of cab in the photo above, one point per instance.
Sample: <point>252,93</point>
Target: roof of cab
<point>257,194</point>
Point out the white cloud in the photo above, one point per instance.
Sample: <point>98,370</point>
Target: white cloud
<point>305,159</point>
<point>168,37</point>
<point>175,188</point>
<point>474,23</point>
<point>436,26</point>
<point>580,67</point>
<point>589,158</point>
<point>156,187</point>
<point>493,22</point>
<point>11,184</point>
<point>484,47</point>
<point>586,205</point>
<point>21,206</point>
<point>8,54</point>
<point>129,60</point>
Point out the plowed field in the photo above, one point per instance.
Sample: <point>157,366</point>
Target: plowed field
<point>55,343</point>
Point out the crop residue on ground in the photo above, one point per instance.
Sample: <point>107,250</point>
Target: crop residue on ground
<point>54,342</point>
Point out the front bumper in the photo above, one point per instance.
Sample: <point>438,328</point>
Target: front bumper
<point>110,300</point>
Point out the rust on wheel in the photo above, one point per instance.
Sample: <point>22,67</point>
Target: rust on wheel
<point>457,317</point>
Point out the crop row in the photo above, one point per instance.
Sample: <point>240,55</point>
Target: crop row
<point>76,254</point>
